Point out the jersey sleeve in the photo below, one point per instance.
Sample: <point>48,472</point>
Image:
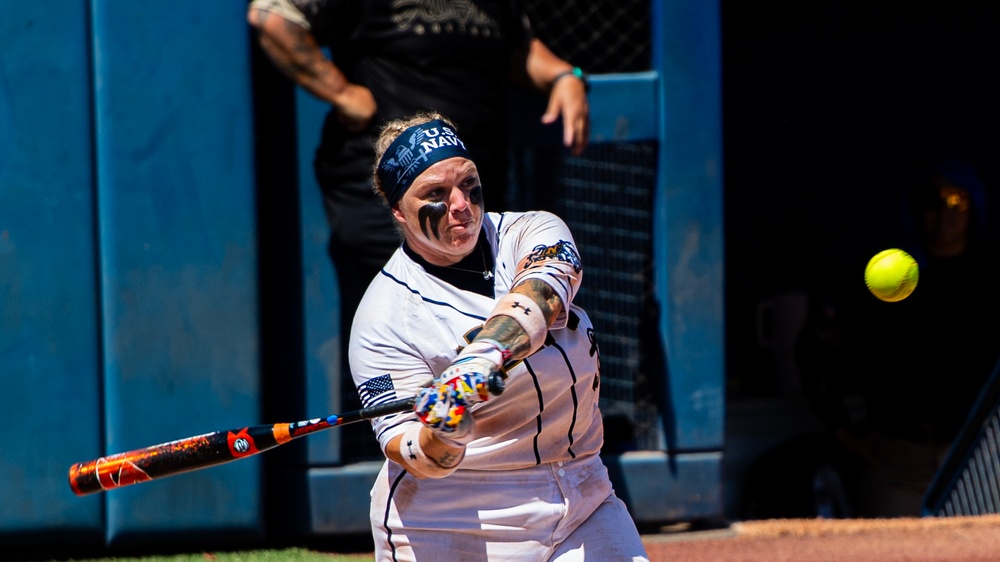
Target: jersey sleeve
<point>385,365</point>
<point>543,248</point>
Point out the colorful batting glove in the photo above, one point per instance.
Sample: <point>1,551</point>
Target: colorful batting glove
<point>470,372</point>
<point>445,405</point>
<point>444,409</point>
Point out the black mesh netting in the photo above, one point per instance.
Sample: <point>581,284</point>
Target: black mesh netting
<point>600,36</point>
<point>606,198</point>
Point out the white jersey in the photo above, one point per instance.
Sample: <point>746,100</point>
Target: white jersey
<point>410,325</point>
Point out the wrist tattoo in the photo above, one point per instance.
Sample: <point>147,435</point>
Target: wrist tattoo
<point>414,458</point>
<point>448,460</point>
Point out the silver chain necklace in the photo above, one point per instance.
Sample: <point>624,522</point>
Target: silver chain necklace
<point>486,272</point>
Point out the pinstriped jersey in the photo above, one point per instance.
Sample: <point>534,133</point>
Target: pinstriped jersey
<point>410,325</point>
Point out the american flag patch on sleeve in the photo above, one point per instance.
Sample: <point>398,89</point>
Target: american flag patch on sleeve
<point>376,391</point>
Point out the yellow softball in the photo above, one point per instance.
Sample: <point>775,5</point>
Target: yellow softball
<point>891,275</point>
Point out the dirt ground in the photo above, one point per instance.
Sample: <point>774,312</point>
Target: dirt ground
<point>951,539</point>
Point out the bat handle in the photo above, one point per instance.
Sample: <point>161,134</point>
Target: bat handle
<point>497,383</point>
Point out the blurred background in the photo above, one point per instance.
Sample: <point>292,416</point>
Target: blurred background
<point>163,270</point>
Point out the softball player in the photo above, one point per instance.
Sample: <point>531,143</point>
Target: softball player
<point>471,476</point>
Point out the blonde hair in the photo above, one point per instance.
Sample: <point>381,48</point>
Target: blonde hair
<point>389,132</point>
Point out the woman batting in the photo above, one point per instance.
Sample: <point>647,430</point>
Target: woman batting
<point>470,476</point>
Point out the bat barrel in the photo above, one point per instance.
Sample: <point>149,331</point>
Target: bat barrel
<point>83,478</point>
<point>202,451</point>
<point>167,459</point>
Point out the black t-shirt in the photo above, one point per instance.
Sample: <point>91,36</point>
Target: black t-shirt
<point>453,57</point>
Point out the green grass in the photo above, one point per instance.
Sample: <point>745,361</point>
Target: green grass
<point>286,555</point>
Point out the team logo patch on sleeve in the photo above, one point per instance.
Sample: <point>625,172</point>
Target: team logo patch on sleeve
<point>561,251</point>
<point>377,390</point>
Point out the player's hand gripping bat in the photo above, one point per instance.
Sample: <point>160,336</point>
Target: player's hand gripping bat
<point>210,449</point>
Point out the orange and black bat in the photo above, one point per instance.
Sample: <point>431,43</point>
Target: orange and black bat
<point>210,449</point>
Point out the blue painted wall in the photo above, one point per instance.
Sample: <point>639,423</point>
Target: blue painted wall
<point>173,132</point>
<point>688,245</point>
<point>128,269</point>
<point>321,301</point>
<point>49,341</point>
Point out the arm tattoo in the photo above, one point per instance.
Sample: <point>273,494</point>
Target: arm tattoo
<point>506,330</point>
<point>448,460</point>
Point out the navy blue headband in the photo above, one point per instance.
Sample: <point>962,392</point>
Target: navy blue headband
<point>416,149</point>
